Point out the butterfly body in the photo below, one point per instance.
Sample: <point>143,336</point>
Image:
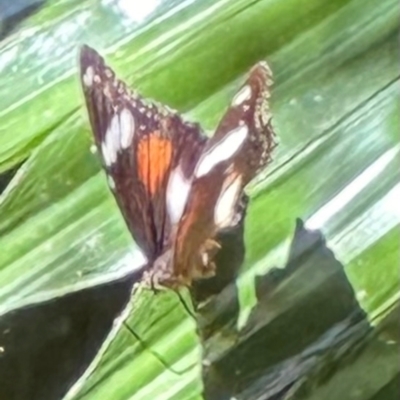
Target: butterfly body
<point>175,187</point>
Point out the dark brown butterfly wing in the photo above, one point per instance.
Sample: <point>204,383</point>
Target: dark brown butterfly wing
<point>148,152</point>
<point>241,146</point>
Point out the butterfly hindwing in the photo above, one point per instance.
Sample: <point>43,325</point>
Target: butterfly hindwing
<point>240,147</point>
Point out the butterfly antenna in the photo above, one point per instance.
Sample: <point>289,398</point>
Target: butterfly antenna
<point>148,348</point>
<point>186,306</point>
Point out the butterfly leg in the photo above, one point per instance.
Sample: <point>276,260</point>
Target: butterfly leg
<point>205,267</point>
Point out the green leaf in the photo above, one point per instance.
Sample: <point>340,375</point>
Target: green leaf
<point>335,107</point>
<point>138,362</point>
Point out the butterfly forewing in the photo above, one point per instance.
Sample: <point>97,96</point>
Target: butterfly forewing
<point>148,152</point>
<point>241,146</point>
<point>244,137</point>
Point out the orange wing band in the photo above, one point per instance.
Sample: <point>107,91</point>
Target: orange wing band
<point>154,155</point>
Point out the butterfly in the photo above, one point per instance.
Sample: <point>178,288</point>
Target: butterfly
<point>176,188</point>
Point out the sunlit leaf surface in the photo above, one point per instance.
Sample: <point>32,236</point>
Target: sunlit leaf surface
<point>335,104</point>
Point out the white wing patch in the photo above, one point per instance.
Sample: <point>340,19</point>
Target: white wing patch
<point>243,95</point>
<point>127,124</point>
<point>221,151</point>
<point>111,182</point>
<point>104,152</point>
<point>177,194</point>
<point>112,141</point>
<point>88,76</point>
<point>119,136</point>
<point>224,212</point>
